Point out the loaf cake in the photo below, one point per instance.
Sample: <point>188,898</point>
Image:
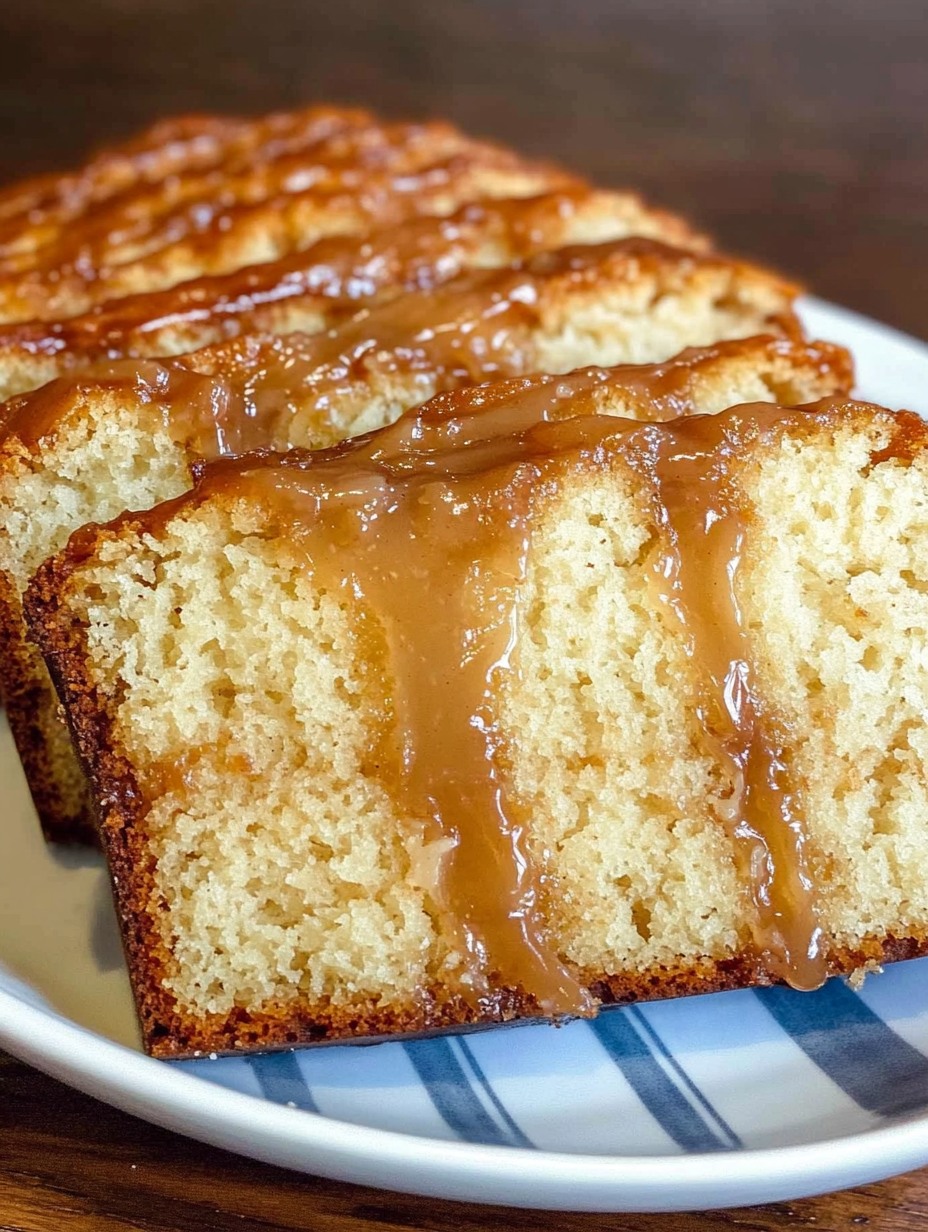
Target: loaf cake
<point>632,300</point>
<point>508,710</point>
<point>315,288</point>
<point>336,172</point>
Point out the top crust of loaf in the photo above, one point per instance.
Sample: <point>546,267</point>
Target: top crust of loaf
<point>178,145</point>
<point>335,172</point>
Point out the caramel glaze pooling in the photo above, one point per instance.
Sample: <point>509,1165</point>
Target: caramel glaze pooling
<point>427,524</point>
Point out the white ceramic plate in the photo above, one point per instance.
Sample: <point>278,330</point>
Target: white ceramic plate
<point>712,1101</point>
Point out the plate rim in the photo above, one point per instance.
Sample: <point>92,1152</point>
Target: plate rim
<point>342,1150</point>
<point>310,1142</point>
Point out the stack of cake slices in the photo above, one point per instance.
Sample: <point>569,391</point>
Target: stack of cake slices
<point>447,592</point>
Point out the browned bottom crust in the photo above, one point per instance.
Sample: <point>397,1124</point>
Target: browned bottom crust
<point>279,1027</point>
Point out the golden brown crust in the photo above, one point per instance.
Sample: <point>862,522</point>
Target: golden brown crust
<point>31,704</point>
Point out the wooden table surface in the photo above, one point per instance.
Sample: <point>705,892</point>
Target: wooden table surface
<point>795,130</point>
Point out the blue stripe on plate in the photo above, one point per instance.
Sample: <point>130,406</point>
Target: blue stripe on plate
<point>519,1137</point>
<point>452,1094</point>
<point>670,1107</point>
<point>853,1046</point>
<point>281,1080</point>
<point>682,1078</point>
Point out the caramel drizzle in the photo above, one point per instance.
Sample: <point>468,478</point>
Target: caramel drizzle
<point>276,227</point>
<point>422,534</point>
<point>428,524</point>
<point>333,159</point>
<point>168,148</point>
<point>247,398</point>
<point>697,573</point>
<point>70,278</point>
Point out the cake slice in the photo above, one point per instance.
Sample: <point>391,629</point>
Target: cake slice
<point>154,235</point>
<point>627,301</point>
<point>315,288</point>
<point>632,300</point>
<point>507,714</point>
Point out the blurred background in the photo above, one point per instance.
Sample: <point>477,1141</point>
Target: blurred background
<point>795,130</point>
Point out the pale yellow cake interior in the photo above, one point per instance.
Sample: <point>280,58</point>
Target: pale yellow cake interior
<point>287,869</point>
<point>836,582</point>
<point>608,757</point>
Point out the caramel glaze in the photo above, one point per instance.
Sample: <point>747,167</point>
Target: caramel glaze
<point>482,326</point>
<point>168,147</point>
<point>164,165</point>
<point>233,237</point>
<point>142,221</point>
<point>696,576</point>
<point>476,328</point>
<point>432,517</point>
<point>246,396</point>
<point>163,149</point>
<point>419,254</point>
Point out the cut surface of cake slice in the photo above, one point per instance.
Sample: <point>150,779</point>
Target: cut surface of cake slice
<point>79,451</point>
<point>506,714</point>
<point>315,288</point>
<point>343,176</point>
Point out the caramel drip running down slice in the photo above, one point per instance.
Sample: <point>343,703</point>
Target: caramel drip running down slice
<point>696,579</point>
<point>435,544</point>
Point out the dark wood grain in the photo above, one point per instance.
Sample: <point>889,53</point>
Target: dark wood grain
<point>794,130</point>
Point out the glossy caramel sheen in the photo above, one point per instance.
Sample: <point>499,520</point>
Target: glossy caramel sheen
<point>427,524</point>
<point>338,173</point>
<point>329,156</point>
<point>172,161</point>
